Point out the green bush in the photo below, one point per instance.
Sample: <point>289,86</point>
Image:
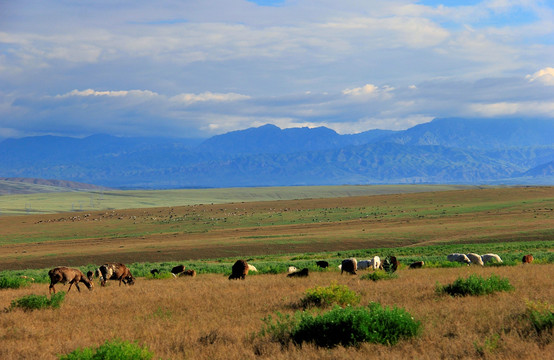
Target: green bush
<point>111,350</point>
<point>349,326</point>
<point>541,315</point>
<point>37,302</point>
<point>12,282</point>
<point>323,296</point>
<point>476,285</point>
<point>379,275</point>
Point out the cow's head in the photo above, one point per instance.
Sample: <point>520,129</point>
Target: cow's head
<point>130,280</point>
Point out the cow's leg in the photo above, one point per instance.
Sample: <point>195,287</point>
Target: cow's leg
<point>50,288</point>
<point>77,286</point>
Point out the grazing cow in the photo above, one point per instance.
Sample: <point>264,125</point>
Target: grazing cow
<point>90,275</point>
<point>66,275</point>
<point>291,269</point>
<point>376,263</point>
<point>417,265</point>
<point>239,270</point>
<point>491,257</point>
<point>364,264</point>
<point>456,257</point>
<point>176,270</point>
<point>390,264</point>
<point>349,265</point>
<point>475,259</point>
<point>115,271</point>
<point>322,264</point>
<point>302,273</point>
<point>252,268</point>
<point>527,259</point>
<point>154,272</point>
<point>191,273</point>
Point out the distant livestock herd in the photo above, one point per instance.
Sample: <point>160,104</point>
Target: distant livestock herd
<point>239,270</point>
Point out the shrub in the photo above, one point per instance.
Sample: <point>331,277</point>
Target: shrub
<point>12,282</point>
<point>323,296</point>
<point>111,350</point>
<point>476,285</point>
<point>161,275</point>
<point>541,315</point>
<point>37,302</point>
<point>351,326</point>
<point>379,275</point>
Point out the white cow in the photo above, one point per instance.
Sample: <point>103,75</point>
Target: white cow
<point>292,269</point>
<point>475,259</point>
<point>456,257</point>
<point>376,263</point>
<point>491,257</point>
<point>252,268</point>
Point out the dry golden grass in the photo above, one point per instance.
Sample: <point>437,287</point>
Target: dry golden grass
<point>210,317</point>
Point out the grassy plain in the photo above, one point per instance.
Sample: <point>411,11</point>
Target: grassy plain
<point>251,229</point>
<point>210,317</point>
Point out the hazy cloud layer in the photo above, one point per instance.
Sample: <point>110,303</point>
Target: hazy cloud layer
<point>189,68</point>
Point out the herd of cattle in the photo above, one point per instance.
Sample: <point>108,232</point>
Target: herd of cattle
<point>119,272</point>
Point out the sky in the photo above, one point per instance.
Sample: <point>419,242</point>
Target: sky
<point>191,69</point>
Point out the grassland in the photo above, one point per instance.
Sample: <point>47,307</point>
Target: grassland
<point>210,317</point>
<point>45,200</point>
<point>250,229</point>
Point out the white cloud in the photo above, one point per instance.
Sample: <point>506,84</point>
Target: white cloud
<point>208,96</point>
<point>108,93</point>
<point>545,76</point>
<point>529,108</point>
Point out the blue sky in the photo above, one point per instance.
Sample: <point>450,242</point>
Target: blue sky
<point>201,68</point>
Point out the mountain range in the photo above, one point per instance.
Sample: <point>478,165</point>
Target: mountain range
<point>453,150</point>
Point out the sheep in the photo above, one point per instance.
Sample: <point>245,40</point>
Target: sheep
<point>177,270</point>
<point>64,275</point>
<point>191,273</point>
<point>239,270</point>
<point>527,259</point>
<point>475,259</point>
<point>417,265</point>
<point>376,263</point>
<point>291,269</point>
<point>456,257</point>
<point>115,271</point>
<point>302,273</point>
<point>349,265</point>
<point>491,257</point>
<point>252,268</point>
<point>322,264</point>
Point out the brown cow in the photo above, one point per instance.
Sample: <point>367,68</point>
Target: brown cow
<point>302,273</point>
<point>527,259</point>
<point>66,275</point>
<point>239,270</point>
<point>115,271</point>
<point>191,273</point>
<point>417,265</point>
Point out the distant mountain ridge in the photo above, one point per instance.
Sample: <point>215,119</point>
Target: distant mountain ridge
<point>465,151</point>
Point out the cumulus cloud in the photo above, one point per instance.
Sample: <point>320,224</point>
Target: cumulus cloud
<point>545,76</point>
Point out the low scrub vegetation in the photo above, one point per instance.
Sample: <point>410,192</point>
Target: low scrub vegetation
<point>334,294</point>
<point>476,285</point>
<point>348,326</point>
<point>12,282</point>
<point>379,275</point>
<point>37,302</point>
<point>111,350</point>
<point>541,316</point>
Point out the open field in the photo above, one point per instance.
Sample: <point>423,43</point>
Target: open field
<point>210,317</point>
<point>492,215</point>
<point>46,202</point>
